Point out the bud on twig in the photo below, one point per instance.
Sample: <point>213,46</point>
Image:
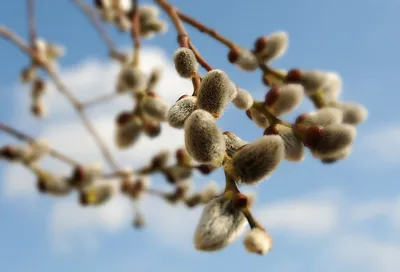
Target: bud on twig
<point>154,107</point>
<point>285,99</point>
<point>177,173</point>
<point>203,138</point>
<point>84,175</point>
<point>232,142</point>
<point>353,114</point>
<point>312,81</point>
<point>96,195</point>
<point>258,241</point>
<point>129,128</point>
<point>243,58</point>
<point>323,117</point>
<point>220,224</point>
<point>178,113</point>
<point>243,99</point>
<point>51,184</point>
<point>271,47</point>
<point>294,148</point>
<point>215,91</point>
<point>160,160</point>
<point>131,78</point>
<point>185,62</point>
<point>183,158</point>
<point>257,160</point>
<point>258,118</point>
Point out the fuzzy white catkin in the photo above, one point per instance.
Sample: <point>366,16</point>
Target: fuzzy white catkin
<point>313,81</point>
<point>294,148</point>
<point>334,139</point>
<point>155,107</point>
<point>232,143</point>
<point>203,138</point>
<point>276,45</point>
<point>258,241</point>
<point>259,118</point>
<point>246,60</point>
<point>210,191</point>
<point>257,160</point>
<point>353,114</point>
<point>127,134</point>
<point>36,151</point>
<point>243,99</point>
<point>181,110</point>
<point>323,117</point>
<point>332,88</point>
<point>131,78</point>
<point>220,224</point>
<point>185,62</point>
<point>215,92</point>
<point>290,97</point>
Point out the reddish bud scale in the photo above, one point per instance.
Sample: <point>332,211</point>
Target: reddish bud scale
<point>260,43</point>
<point>242,147</point>
<point>240,201</point>
<point>180,154</point>
<point>152,129</point>
<point>79,173</point>
<point>123,118</point>
<point>313,135</point>
<point>301,118</point>
<point>233,55</point>
<point>182,97</point>
<point>205,168</point>
<point>272,96</point>
<point>248,113</point>
<point>293,76</point>
<point>8,152</point>
<point>271,130</point>
<point>41,186</point>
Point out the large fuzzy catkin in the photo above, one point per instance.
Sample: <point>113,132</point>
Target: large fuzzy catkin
<point>294,148</point>
<point>203,138</point>
<point>353,114</point>
<point>220,224</point>
<point>288,98</point>
<point>328,141</point>
<point>131,78</point>
<point>257,160</point>
<point>181,110</point>
<point>128,130</point>
<point>243,99</point>
<point>215,92</point>
<point>244,59</point>
<point>258,241</point>
<point>185,62</point>
<point>332,88</point>
<point>272,46</point>
<point>154,107</point>
<point>233,142</point>
<point>323,117</point>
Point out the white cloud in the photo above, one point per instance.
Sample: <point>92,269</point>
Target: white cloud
<point>365,254</point>
<point>70,224</point>
<point>313,215</point>
<point>381,148</point>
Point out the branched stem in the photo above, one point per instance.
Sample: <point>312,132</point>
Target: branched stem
<point>23,137</point>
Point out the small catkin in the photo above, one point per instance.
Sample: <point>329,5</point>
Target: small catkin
<point>210,191</point>
<point>257,160</point>
<point>244,59</point>
<point>85,175</point>
<point>243,99</point>
<point>177,173</point>
<point>289,98</point>
<point>326,142</point>
<point>258,118</point>
<point>294,148</point>
<point>332,88</point>
<point>96,194</point>
<point>233,143</point>
<point>185,62</point>
<point>160,160</point>
<point>131,78</point>
<point>258,241</point>
<point>128,130</point>
<point>353,114</point>
<point>215,92</point>
<point>271,47</point>
<point>220,224</point>
<point>312,81</point>
<point>323,117</point>
<point>51,184</point>
<point>203,138</point>
<point>155,107</point>
<point>183,158</point>
<point>28,74</point>
<point>181,110</point>
<point>151,127</point>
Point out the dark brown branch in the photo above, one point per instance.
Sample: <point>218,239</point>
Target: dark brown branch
<point>199,58</point>
<point>23,137</point>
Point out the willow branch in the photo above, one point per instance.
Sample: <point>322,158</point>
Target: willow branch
<point>135,33</point>
<point>31,20</point>
<point>23,137</point>
<point>99,100</point>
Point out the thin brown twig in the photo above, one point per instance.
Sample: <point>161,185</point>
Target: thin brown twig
<point>135,33</point>
<point>92,16</point>
<point>100,99</point>
<point>31,20</point>
<point>199,58</point>
<point>23,137</point>
<point>14,38</point>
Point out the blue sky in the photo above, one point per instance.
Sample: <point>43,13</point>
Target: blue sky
<point>341,217</point>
